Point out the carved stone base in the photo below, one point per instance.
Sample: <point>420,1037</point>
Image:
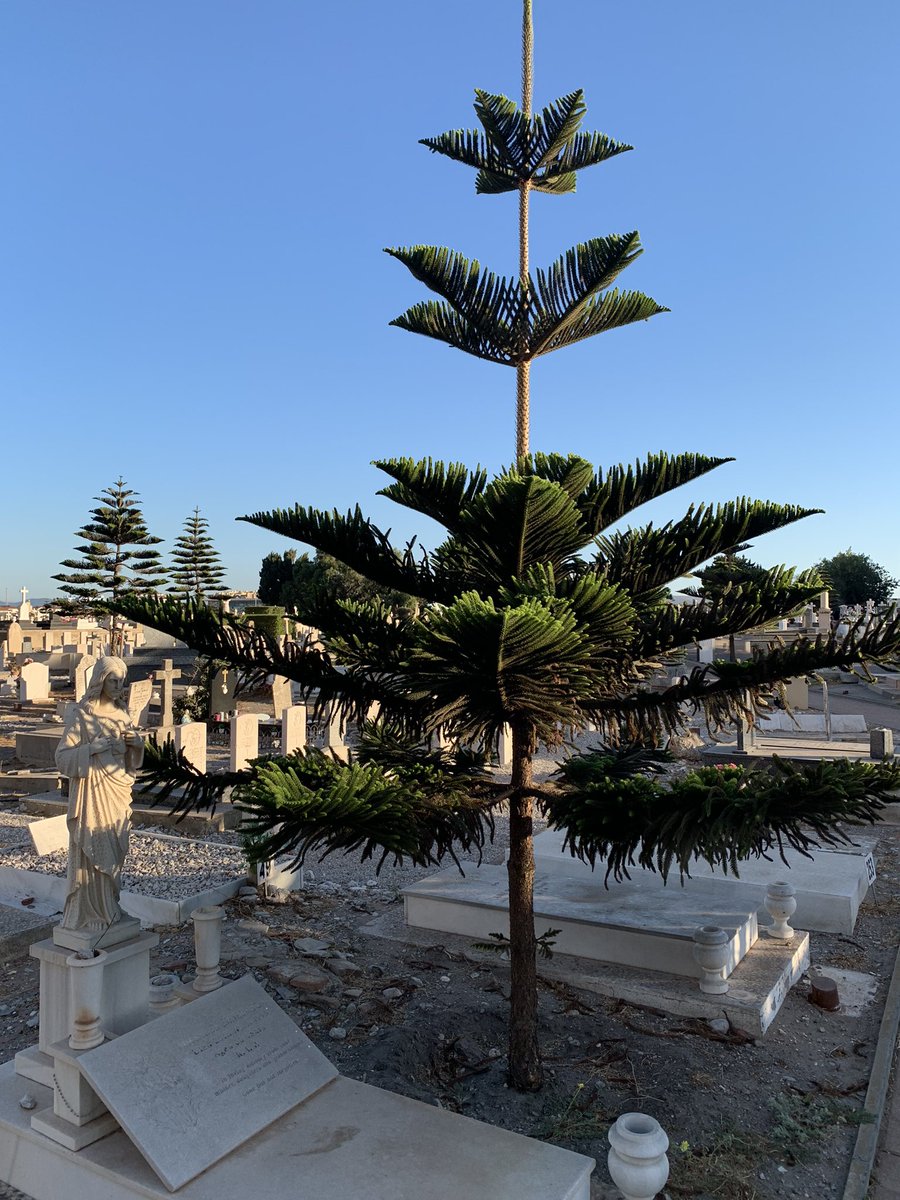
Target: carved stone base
<point>73,1137</point>
<point>84,939</point>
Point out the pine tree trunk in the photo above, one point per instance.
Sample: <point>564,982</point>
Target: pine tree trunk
<point>525,1071</point>
<point>523,370</point>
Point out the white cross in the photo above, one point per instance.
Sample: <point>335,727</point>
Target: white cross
<point>24,591</point>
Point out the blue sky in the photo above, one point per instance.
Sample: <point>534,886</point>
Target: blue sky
<point>195,198</point>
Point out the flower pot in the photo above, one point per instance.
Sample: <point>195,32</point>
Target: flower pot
<point>637,1156</point>
<point>711,955</point>
<point>780,905</point>
<point>85,996</point>
<point>162,994</point>
<point>207,947</point>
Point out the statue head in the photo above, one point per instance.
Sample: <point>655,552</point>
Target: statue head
<point>106,667</point>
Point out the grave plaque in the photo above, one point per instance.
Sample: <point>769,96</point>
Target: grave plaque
<point>190,739</point>
<point>50,834</point>
<point>244,744</point>
<point>139,695</point>
<point>197,1082</point>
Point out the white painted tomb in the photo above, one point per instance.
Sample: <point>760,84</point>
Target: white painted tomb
<point>830,885</point>
<point>628,925</point>
<point>226,1097</point>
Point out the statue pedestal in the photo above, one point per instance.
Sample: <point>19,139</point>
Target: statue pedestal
<point>124,1006</point>
<point>83,939</point>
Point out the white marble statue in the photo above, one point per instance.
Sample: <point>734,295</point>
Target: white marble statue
<point>100,753</point>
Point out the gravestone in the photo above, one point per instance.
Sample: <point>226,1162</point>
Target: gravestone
<point>222,690</point>
<point>293,729</point>
<point>244,741</point>
<point>166,678</point>
<point>34,682</point>
<point>190,739</point>
<point>196,1083</point>
<point>707,651</point>
<point>14,639</point>
<point>282,695</point>
<point>139,695</point>
<point>83,670</point>
<point>796,693</point>
<point>504,748</point>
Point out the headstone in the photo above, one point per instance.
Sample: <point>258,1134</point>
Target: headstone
<point>196,1083</point>
<point>222,690</point>
<point>881,743</point>
<point>334,734</point>
<point>50,834</point>
<point>14,639</point>
<point>83,669</point>
<point>139,695</point>
<point>34,682</point>
<point>796,693</point>
<point>707,651</point>
<point>25,606</point>
<point>244,741</point>
<point>190,739</point>
<point>282,695</point>
<point>166,678</point>
<point>293,729</point>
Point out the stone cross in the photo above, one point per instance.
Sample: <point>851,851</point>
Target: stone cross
<point>166,678</point>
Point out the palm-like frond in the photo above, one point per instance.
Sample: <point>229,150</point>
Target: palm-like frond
<point>607,498</point>
<point>720,817</point>
<point>354,540</point>
<point>496,318</point>
<point>310,804</point>
<point>738,609</point>
<point>517,522</point>
<point>649,557</point>
<point>545,149</point>
<point>440,491</point>
<point>612,310</point>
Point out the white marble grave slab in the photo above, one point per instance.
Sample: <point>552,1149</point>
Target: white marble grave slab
<point>140,694</point>
<point>628,926</point>
<point>196,1083</point>
<point>830,884</point>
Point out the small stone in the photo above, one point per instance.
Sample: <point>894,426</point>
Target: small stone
<point>445,979</point>
<point>309,945</point>
<point>6,1011</point>
<point>284,993</point>
<point>28,1102</point>
<point>353,993</point>
<point>248,893</point>
<point>281,972</point>
<point>392,993</point>
<point>308,979</point>
<point>718,1025</point>
<point>337,1034</point>
<point>415,981</point>
<point>342,967</point>
<point>32,1022</point>
<point>495,1052</point>
<point>249,926</point>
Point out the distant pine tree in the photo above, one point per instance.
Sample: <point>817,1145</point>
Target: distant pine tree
<point>108,567</point>
<point>197,570</point>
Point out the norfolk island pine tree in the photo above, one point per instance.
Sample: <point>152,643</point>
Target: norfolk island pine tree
<point>515,624</point>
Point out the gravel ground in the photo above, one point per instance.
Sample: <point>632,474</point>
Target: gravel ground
<point>171,868</point>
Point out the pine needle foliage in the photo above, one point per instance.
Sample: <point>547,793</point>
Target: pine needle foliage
<point>196,566</point>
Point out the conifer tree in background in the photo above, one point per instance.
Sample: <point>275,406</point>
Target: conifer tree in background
<point>116,556</point>
<point>197,570</point>
<point>540,610</point>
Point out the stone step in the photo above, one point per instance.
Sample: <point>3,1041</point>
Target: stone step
<point>628,925</point>
<point>20,783</point>
<point>831,884</point>
<point>756,988</point>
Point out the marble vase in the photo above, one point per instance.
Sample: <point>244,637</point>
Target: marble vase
<point>637,1160</point>
<point>208,947</point>
<point>711,955</point>
<point>780,905</point>
<point>85,995</point>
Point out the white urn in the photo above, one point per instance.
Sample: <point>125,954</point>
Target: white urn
<point>85,997</point>
<point>711,956</point>
<point>208,947</point>
<point>781,904</point>
<point>637,1156</point>
<point>163,996</point>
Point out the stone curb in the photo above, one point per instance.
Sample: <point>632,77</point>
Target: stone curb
<point>864,1152</point>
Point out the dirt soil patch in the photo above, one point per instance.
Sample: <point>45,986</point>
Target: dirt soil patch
<point>748,1119</point>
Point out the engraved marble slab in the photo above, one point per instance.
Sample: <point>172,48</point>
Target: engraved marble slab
<point>192,1085</point>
